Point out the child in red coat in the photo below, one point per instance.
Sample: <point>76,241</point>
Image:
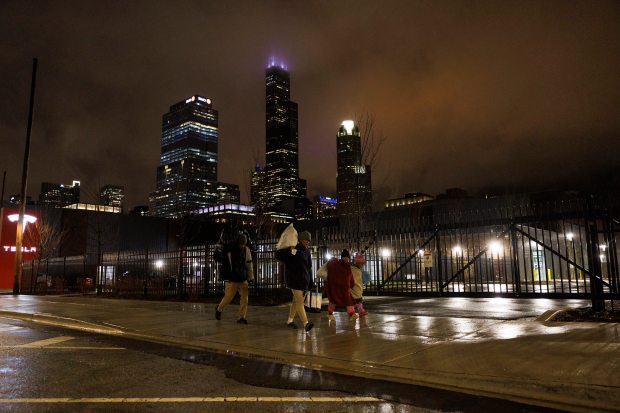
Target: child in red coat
<point>338,285</point>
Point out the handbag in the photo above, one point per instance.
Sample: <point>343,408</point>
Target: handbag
<point>313,301</point>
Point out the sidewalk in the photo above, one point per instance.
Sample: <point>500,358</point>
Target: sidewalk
<point>490,347</point>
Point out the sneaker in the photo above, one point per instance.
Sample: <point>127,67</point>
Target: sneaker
<point>354,316</point>
<point>218,313</point>
<point>363,313</point>
<point>309,326</point>
<point>292,325</point>
<point>331,317</point>
<point>242,321</point>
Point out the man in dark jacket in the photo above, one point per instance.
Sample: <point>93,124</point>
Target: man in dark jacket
<point>235,270</point>
<point>298,275</point>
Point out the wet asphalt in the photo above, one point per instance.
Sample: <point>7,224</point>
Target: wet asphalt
<point>495,351</point>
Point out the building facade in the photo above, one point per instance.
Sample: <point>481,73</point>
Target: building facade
<point>410,198</point>
<point>112,195</point>
<point>353,179</point>
<point>257,184</point>
<point>59,195</point>
<point>283,190</point>
<point>325,207</point>
<point>187,173</point>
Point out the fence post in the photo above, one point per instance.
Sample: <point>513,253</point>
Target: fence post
<point>146,273</point>
<point>594,263</point>
<point>612,256</point>
<point>439,263</point>
<point>180,273</point>
<point>64,272</point>
<point>516,274</point>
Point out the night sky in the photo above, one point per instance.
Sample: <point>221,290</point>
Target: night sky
<point>485,96</point>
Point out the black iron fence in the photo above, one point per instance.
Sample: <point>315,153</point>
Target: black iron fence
<point>561,249</point>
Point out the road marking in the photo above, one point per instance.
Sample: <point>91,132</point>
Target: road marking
<point>49,344</point>
<point>191,400</point>
<point>7,327</point>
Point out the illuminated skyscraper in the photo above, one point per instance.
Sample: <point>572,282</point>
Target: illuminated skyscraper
<point>59,195</point>
<point>283,191</point>
<point>187,172</point>
<point>112,195</point>
<point>353,180</point>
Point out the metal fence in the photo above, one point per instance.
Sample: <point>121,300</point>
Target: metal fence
<point>564,249</point>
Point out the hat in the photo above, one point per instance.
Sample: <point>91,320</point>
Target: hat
<point>359,259</point>
<point>345,253</point>
<point>242,239</point>
<point>304,235</point>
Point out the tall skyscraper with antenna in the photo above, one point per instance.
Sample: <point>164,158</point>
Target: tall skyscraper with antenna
<point>284,192</point>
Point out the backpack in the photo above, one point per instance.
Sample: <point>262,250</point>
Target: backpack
<point>238,262</point>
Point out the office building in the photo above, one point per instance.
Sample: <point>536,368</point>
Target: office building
<point>257,183</point>
<point>227,193</point>
<point>284,191</point>
<point>59,195</point>
<point>112,195</point>
<point>187,173</point>
<point>353,179</point>
<point>325,207</point>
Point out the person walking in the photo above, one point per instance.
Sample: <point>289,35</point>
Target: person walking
<point>338,285</point>
<point>358,289</point>
<point>298,277</point>
<point>236,270</point>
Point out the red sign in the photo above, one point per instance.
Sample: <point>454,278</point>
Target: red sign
<point>10,216</point>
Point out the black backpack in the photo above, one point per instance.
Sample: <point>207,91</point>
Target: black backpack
<point>238,258</point>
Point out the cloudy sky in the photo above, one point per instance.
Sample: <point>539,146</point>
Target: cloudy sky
<point>481,95</point>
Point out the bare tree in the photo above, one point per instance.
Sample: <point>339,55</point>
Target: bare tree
<point>371,139</point>
<point>264,227</point>
<point>371,144</point>
<point>48,235</point>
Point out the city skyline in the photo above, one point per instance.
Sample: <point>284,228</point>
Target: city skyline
<point>475,95</point>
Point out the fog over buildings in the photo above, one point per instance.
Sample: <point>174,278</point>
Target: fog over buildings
<point>502,96</point>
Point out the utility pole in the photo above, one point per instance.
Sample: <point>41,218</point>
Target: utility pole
<point>2,202</point>
<point>22,196</point>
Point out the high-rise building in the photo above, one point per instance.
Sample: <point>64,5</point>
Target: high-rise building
<point>257,185</point>
<point>283,190</point>
<point>59,195</point>
<point>227,193</point>
<point>353,180</point>
<point>325,207</point>
<point>112,195</point>
<point>187,172</point>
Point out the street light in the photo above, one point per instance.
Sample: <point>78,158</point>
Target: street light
<point>495,247</point>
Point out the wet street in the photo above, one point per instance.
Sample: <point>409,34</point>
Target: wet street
<point>46,369</point>
<point>50,369</point>
<point>77,353</point>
